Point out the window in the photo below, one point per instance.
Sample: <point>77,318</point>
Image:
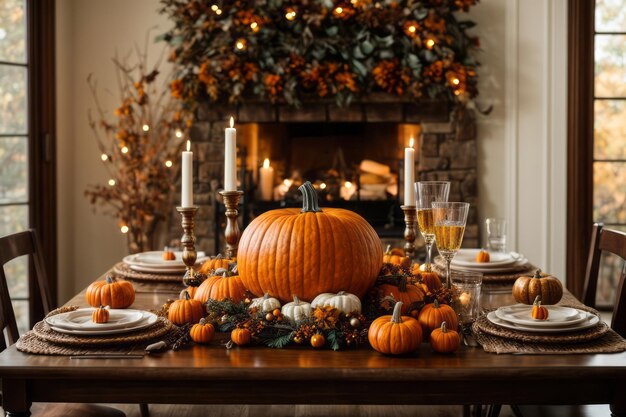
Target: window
<point>14,145</point>
<point>609,133</point>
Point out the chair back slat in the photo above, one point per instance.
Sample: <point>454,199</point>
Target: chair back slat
<point>593,267</point>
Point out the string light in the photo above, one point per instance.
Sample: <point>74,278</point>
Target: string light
<point>412,29</point>
<point>457,92</point>
<point>254,26</point>
<point>339,10</point>
<point>104,157</point>
<point>218,12</point>
<point>214,8</point>
<point>145,128</point>
<point>168,164</point>
<point>290,15</point>
<point>241,44</point>
<point>347,184</point>
<point>323,186</point>
<point>354,2</point>
<point>124,229</point>
<point>179,134</point>
<point>455,81</point>
<point>430,43</point>
<point>111,182</point>
<point>124,149</point>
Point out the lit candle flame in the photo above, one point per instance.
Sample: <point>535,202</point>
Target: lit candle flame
<point>411,142</point>
<point>232,122</point>
<point>348,184</point>
<point>266,163</point>
<point>188,145</point>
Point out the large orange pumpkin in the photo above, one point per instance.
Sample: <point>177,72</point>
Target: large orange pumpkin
<point>221,287</point>
<point>112,293</point>
<point>309,252</point>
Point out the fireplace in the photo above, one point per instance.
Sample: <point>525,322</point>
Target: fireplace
<point>354,157</point>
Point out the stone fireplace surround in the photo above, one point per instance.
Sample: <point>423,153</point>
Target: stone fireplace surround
<point>446,151</point>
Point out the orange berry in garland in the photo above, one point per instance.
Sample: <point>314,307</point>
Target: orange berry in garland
<point>308,252</point>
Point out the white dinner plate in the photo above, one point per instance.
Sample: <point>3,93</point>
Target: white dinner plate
<point>154,259</point>
<point>467,258</point>
<point>513,267</point>
<point>148,320</point>
<point>81,319</point>
<point>591,321</point>
<point>558,316</point>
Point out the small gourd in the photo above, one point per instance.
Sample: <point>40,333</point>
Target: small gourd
<point>296,310</point>
<point>110,292</point>
<point>342,301</point>
<point>265,303</point>
<point>444,340</point>
<point>100,315</point>
<point>241,337</point>
<point>526,288</point>
<point>168,255</point>
<point>396,257</point>
<point>483,256</point>
<point>202,332</point>
<point>539,312</point>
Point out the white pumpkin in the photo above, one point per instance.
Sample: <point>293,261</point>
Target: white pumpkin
<point>342,301</point>
<point>296,310</point>
<point>265,303</point>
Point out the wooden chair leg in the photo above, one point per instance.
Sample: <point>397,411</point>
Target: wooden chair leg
<point>516,410</point>
<point>494,410</point>
<point>467,411</point>
<point>145,411</point>
<point>478,410</point>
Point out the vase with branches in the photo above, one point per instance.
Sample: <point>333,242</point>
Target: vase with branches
<point>139,146</point>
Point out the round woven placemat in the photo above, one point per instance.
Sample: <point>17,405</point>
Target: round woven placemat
<point>157,330</point>
<point>482,324</point>
<point>123,270</point>
<point>440,268</point>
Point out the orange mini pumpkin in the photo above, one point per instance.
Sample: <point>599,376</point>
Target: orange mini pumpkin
<point>186,310</point>
<point>526,288</point>
<point>444,340</point>
<point>396,256</point>
<point>318,341</point>
<point>404,292</point>
<point>221,287</point>
<point>483,256</point>
<point>112,293</point>
<point>100,315</point>
<point>202,332</point>
<point>215,263</point>
<point>241,337</point>
<point>432,315</point>
<point>168,255</point>
<point>539,312</point>
<point>191,290</point>
<point>395,334</point>
<point>309,251</point>
<point>431,280</point>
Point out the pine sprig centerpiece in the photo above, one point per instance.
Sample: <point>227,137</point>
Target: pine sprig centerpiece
<point>287,50</point>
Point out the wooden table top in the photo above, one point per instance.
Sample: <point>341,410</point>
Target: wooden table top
<point>464,372</point>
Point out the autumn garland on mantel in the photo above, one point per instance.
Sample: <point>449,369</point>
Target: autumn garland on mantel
<point>292,50</point>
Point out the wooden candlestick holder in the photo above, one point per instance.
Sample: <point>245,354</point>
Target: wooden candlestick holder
<point>410,233</point>
<point>232,232</point>
<point>191,277</point>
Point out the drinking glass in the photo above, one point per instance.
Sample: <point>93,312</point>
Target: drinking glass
<point>449,219</point>
<point>428,192</point>
<point>496,234</point>
<point>467,286</point>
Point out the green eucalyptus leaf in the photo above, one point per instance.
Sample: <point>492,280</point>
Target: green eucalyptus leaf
<point>332,31</point>
<point>367,47</point>
<point>356,53</point>
<point>359,68</point>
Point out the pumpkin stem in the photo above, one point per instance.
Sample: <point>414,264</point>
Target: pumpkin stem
<point>396,317</point>
<point>185,295</point>
<point>266,296</point>
<point>388,250</point>
<point>202,322</point>
<point>109,279</point>
<point>444,327</point>
<point>537,274</point>
<point>219,256</point>
<point>402,283</point>
<point>537,301</point>
<point>296,300</point>
<point>309,198</point>
<point>436,303</point>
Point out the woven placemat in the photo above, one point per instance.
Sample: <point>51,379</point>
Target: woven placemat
<point>122,270</point>
<point>45,341</point>
<point>439,267</point>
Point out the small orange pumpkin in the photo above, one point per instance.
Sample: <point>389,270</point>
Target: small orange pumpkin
<point>396,256</point>
<point>215,263</point>
<point>443,340</point>
<point>191,290</point>
<point>527,288</point>
<point>539,312</point>
<point>221,287</point>
<point>168,255</point>
<point>432,315</point>
<point>100,315</point>
<point>186,310</point>
<point>202,332</point>
<point>404,292</point>
<point>241,337</point>
<point>395,334</point>
<point>318,341</point>
<point>482,256</point>
<point>431,280</point>
<point>112,293</point>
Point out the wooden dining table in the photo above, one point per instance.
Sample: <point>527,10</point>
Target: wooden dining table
<point>299,375</point>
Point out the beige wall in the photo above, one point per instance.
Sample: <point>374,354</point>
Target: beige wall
<point>520,62</point>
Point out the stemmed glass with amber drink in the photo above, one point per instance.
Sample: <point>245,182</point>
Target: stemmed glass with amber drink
<point>427,192</point>
<point>449,219</point>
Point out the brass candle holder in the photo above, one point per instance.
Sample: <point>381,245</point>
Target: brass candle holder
<point>410,232</point>
<point>232,232</point>
<point>191,277</point>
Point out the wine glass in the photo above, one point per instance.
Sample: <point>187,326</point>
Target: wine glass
<point>428,192</point>
<point>449,219</point>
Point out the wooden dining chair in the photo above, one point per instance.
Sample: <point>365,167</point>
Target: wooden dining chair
<point>11,247</point>
<point>602,240</point>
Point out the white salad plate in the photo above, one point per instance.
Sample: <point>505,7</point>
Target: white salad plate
<point>590,321</point>
<point>558,316</point>
<point>81,319</point>
<point>154,259</point>
<point>148,320</point>
<point>467,258</point>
